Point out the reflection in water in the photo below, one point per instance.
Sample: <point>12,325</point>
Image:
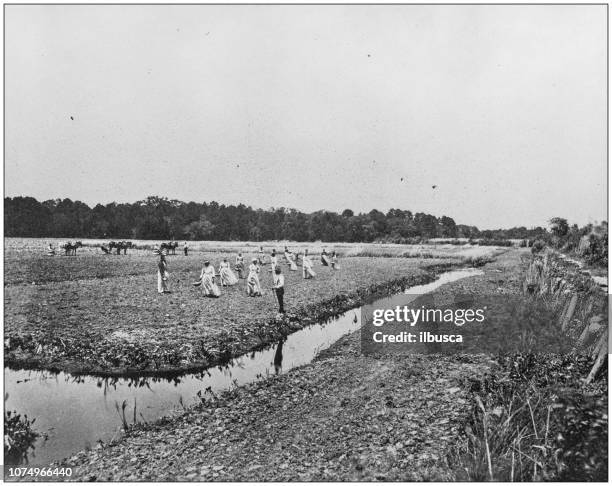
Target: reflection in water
<point>77,411</point>
<point>278,357</point>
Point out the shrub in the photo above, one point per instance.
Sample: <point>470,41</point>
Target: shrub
<point>19,437</point>
<point>597,251</point>
<point>479,261</point>
<point>538,246</point>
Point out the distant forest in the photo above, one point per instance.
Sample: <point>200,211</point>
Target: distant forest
<point>159,218</point>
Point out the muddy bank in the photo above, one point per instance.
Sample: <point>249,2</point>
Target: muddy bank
<point>80,355</point>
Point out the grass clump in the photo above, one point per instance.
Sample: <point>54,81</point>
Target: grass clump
<point>491,242</point>
<point>478,261</point>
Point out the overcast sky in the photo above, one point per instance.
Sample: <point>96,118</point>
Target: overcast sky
<point>503,108</point>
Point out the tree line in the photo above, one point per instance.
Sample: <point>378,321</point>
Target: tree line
<point>160,218</point>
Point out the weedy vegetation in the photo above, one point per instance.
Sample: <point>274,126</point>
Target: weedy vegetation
<point>534,419</point>
<point>19,436</point>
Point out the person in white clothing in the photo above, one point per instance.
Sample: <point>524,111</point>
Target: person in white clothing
<point>273,261</point>
<point>334,261</point>
<point>253,287</point>
<point>227,276</point>
<point>207,277</point>
<point>307,271</point>
<point>290,257</point>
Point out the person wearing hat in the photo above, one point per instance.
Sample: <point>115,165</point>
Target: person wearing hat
<point>290,257</point>
<point>279,288</point>
<point>261,256</point>
<point>207,277</point>
<point>162,275</point>
<point>227,276</point>
<point>307,271</point>
<point>334,261</point>
<point>253,287</point>
<point>324,258</point>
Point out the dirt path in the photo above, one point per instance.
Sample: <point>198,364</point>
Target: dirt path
<point>343,417</point>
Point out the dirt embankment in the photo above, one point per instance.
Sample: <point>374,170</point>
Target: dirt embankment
<point>538,415</point>
<point>581,306</point>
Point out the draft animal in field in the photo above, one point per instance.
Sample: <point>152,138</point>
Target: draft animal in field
<point>169,247</point>
<point>119,246</point>
<point>71,248</point>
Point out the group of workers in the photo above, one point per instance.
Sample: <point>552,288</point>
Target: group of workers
<point>227,277</point>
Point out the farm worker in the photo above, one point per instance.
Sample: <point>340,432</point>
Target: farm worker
<point>307,271</point>
<point>185,248</point>
<point>261,256</point>
<point>253,287</point>
<point>209,287</point>
<point>225,272</point>
<point>324,258</point>
<point>240,265</point>
<point>50,250</point>
<point>290,259</point>
<point>162,275</point>
<point>334,261</point>
<point>279,288</point>
<point>273,261</point>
